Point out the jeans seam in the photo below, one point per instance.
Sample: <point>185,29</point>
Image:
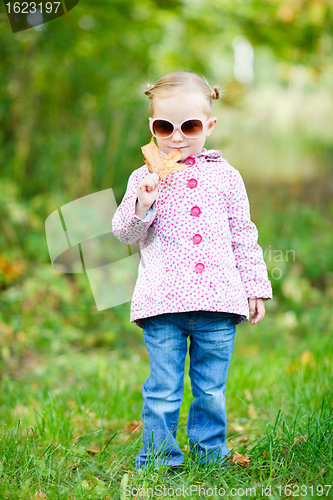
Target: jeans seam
<point>193,412</point>
<point>182,392</point>
<point>194,418</point>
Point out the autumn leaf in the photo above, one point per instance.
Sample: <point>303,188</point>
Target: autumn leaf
<point>152,154</point>
<point>39,494</point>
<point>242,439</point>
<point>251,413</point>
<point>237,427</point>
<point>248,395</point>
<point>162,166</point>
<point>134,426</point>
<point>169,164</point>
<point>93,450</point>
<point>302,439</point>
<point>11,269</point>
<point>6,331</point>
<point>321,473</point>
<point>239,460</point>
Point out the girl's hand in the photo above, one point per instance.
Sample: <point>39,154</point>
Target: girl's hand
<point>148,190</point>
<point>257,308</point>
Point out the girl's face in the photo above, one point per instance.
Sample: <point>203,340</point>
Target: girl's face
<point>178,109</point>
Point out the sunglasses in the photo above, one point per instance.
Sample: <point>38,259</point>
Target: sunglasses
<point>164,129</point>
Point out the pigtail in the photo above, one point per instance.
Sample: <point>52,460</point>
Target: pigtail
<point>148,91</point>
<point>182,81</point>
<point>215,92</point>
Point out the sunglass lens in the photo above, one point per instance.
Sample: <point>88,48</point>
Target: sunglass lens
<point>162,128</point>
<point>192,128</point>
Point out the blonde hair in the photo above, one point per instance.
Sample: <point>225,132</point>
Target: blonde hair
<point>183,81</point>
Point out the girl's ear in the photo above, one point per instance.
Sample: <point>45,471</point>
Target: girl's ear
<point>211,125</point>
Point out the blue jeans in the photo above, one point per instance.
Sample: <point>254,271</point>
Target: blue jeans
<point>212,336</point>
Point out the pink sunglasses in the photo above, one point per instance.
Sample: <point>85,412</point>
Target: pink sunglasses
<point>164,129</point>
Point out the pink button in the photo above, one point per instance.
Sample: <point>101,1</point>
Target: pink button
<point>192,183</point>
<point>197,238</point>
<point>195,211</point>
<point>199,268</point>
<point>190,161</point>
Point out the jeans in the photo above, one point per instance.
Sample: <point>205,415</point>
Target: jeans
<point>212,336</point>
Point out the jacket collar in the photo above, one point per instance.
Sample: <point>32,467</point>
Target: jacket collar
<point>208,154</point>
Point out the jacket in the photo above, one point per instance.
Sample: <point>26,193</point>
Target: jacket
<point>198,245</point>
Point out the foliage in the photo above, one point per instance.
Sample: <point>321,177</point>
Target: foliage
<point>73,119</point>
<point>73,92</point>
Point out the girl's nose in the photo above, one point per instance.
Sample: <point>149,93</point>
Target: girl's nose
<point>177,136</point>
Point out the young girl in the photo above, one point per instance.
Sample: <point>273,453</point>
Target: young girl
<point>201,272</point>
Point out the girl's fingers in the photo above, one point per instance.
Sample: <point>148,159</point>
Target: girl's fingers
<point>261,308</point>
<point>256,306</point>
<point>150,183</point>
<point>252,305</point>
<point>149,187</point>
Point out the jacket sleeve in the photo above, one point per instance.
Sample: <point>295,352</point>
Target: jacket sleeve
<point>244,236</point>
<point>126,225</point>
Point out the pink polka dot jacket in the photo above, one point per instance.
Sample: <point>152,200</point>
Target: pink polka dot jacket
<point>198,245</point>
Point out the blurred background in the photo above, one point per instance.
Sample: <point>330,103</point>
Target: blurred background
<point>74,117</point>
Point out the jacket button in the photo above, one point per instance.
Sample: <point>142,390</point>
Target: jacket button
<point>192,183</point>
<point>190,161</point>
<point>199,268</point>
<point>197,238</point>
<point>195,211</point>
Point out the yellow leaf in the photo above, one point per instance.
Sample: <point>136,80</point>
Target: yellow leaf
<point>302,439</point>
<point>240,460</point>
<point>11,269</point>
<point>93,450</point>
<point>161,166</point>
<point>306,358</point>
<point>242,439</point>
<point>135,426</point>
<point>251,411</point>
<point>248,395</point>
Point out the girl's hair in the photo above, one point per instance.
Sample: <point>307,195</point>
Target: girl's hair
<point>182,81</point>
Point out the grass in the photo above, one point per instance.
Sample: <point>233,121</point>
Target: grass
<point>71,377</point>
<point>65,419</point>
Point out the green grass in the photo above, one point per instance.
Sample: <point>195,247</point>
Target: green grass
<point>71,377</point>
<point>64,422</point>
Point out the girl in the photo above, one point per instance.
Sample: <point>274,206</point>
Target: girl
<point>201,272</point>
